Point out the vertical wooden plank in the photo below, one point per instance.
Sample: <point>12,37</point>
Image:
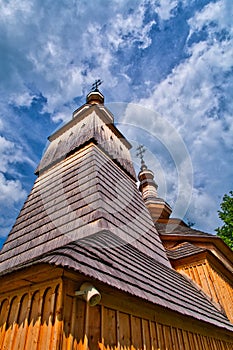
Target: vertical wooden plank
<point>46,319</point>
<point>229,309</point>
<point>223,345</point>
<point>153,335</point>
<point>79,331</point>
<point>14,330</point>
<point>3,319</point>
<point>213,344</point>
<point>118,329</point>
<point>196,275</point>
<point>208,274</point>
<point>71,323</point>
<point>124,330</point>
<point>180,339</point>
<point>204,283</point>
<point>218,344</point>
<point>195,339</point>
<point>34,321</point>
<point>199,340</point>
<point>159,329</point>
<point>110,328</point>
<point>136,332</point>
<point>68,302</point>
<point>175,341</point>
<point>102,320</point>
<point>191,341</point>
<point>11,324</point>
<point>146,334</point>
<point>57,318</point>
<point>167,337</point>
<point>186,270</point>
<point>185,339</point>
<point>208,282</point>
<point>208,342</point>
<point>19,343</point>
<point>94,327</point>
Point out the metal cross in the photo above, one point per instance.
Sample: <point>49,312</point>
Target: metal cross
<point>96,84</point>
<point>141,150</point>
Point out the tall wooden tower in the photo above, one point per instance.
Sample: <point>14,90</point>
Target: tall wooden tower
<point>84,266</point>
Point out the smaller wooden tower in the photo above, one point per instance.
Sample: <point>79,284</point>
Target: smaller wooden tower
<point>84,266</point>
<point>202,257</point>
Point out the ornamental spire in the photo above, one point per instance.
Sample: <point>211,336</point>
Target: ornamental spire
<point>96,84</point>
<point>140,153</point>
<point>95,97</point>
<point>158,208</point>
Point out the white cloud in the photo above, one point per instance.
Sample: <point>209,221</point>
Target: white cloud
<point>58,49</point>
<point>130,28</point>
<point>164,8</point>
<point>203,206</point>
<point>195,98</point>
<point>11,191</point>
<point>69,49</point>
<point>11,153</point>
<point>215,13</point>
<point>24,99</point>
<point>13,8</point>
<point>174,167</point>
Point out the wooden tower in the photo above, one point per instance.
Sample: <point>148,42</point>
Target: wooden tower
<point>202,257</point>
<point>84,266</point>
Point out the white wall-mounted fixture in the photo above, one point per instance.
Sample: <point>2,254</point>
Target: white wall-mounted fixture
<point>89,293</point>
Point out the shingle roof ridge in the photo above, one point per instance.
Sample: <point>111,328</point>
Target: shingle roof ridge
<point>183,249</point>
<point>176,229</point>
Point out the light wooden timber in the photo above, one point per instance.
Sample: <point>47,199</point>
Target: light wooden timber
<point>50,317</point>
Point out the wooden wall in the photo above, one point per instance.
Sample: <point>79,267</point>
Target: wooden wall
<point>31,320</point>
<point>213,282</point>
<point>112,329</point>
<point>49,317</point>
<point>126,324</point>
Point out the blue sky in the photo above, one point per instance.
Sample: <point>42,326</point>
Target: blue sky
<point>167,67</point>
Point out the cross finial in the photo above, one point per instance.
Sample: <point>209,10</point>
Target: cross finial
<point>140,152</point>
<point>96,84</point>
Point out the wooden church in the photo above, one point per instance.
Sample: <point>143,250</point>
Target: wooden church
<point>93,262</point>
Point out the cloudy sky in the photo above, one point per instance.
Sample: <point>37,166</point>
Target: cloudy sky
<point>167,67</point>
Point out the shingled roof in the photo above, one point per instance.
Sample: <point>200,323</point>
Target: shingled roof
<point>105,257</point>
<point>184,250</point>
<point>180,230</point>
<point>83,192</point>
<point>85,213</point>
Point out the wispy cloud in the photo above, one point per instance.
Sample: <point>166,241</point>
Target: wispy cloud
<point>195,97</point>
<point>169,56</point>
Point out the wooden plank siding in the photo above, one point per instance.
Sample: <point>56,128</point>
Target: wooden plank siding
<point>49,317</point>
<point>213,282</point>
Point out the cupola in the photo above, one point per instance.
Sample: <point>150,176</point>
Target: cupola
<point>95,97</point>
<point>159,209</point>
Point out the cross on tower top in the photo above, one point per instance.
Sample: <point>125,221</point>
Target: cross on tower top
<point>96,84</point>
<point>140,152</point>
